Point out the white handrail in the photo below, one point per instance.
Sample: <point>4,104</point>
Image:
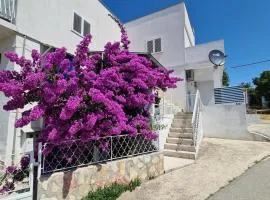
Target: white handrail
<point>197,122</point>
<point>197,99</point>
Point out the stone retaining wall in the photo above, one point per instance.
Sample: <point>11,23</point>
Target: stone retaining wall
<point>76,184</point>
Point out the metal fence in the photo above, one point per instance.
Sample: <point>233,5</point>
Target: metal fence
<point>16,180</point>
<point>229,95</point>
<point>71,154</point>
<point>8,9</point>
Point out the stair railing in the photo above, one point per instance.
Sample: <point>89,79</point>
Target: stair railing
<point>197,122</point>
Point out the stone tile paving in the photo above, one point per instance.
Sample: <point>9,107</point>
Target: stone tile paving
<point>218,163</point>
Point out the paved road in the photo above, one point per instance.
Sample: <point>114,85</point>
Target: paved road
<point>252,185</point>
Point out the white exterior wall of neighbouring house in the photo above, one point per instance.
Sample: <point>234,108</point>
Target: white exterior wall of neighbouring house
<point>179,52</point>
<point>50,22</point>
<point>169,25</point>
<point>47,22</point>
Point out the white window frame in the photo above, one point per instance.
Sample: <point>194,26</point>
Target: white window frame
<point>153,40</point>
<point>82,25</point>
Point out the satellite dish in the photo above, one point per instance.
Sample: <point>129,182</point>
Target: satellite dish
<point>217,57</point>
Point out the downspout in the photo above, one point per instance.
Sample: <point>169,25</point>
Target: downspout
<point>17,113</point>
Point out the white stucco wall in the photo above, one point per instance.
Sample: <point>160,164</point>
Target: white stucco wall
<point>200,53</point>
<point>6,44</point>
<point>167,24</point>
<point>226,121</point>
<point>51,21</point>
<point>178,94</point>
<point>189,32</point>
<point>163,134</point>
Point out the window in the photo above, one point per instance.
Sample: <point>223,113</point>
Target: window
<point>150,46</point>
<point>158,45</point>
<point>80,25</point>
<point>86,28</point>
<point>77,23</point>
<point>154,46</point>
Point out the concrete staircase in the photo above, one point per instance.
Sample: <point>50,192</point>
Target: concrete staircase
<point>180,140</point>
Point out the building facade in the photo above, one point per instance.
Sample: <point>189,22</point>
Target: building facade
<point>169,36</point>
<point>41,24</point>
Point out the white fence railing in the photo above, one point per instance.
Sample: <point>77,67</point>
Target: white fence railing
<point>197,122</point>
<point>77,153</point>
<point>8,10</point>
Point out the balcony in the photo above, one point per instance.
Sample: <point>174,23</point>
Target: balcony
<point>8,10</point>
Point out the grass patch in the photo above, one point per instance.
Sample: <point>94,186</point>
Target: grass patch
<point>112,192</point>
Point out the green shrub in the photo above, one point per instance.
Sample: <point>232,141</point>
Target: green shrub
<point>112,192</point>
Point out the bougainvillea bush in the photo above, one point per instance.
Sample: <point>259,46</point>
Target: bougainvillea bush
<point>89,96</point>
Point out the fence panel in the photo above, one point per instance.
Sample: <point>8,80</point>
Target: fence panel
<point>77,153</point>
<point>229,95</point>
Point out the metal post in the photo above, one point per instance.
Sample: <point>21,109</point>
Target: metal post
<point>111,147</point>
<point>31,174</point>
<point>39,159</point>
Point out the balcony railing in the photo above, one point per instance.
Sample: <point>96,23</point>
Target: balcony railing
<point>8,10</point>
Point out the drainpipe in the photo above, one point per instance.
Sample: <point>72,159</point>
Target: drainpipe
<point>17,114</point>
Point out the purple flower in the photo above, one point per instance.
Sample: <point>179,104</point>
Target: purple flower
<point>70,108</point>
<point>11,170</point>
<point>25,161</point>
<point>91,96</point>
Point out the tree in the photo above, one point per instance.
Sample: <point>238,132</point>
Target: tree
<point>245,85</point>
<point>253,99</point>
<point>225,79</point>
<point>262,84</point>
<point>87,97</point>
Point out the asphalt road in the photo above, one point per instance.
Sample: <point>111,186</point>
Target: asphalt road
<point>252,185</point>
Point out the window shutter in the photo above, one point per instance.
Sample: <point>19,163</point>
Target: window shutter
<point>77,23</point>
<point>86,28</point>
<point>158,45</point>
<point>150,47</point>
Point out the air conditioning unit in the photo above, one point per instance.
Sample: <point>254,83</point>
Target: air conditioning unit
<point>190,75</point>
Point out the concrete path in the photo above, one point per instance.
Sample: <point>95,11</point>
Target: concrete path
<point>171,163</point>
<point>262,128</point>
<point>254,184</point>
<point>219,162</point>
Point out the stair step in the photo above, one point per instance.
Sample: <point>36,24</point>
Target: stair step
<point>180,135</point>
<point>179,154</point>
<point>179,147</point>
<point>182,121</point>
<point>183,117</point>
<point>181,130</point>
<point>181,125</point>
<point>180,141</point>
<point>184,114</point>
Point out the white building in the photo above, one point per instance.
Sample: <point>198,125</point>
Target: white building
<point>39,24</point>
<point>169,36</point>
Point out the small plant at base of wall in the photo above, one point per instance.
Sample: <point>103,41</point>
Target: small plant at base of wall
<point>112,192</point>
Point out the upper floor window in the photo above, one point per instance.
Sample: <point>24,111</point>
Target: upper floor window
<point>80,25</point>
<point>77,23</point>
<point>154,46</point>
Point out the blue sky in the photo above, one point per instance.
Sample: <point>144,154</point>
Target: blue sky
<point>243,24</point>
